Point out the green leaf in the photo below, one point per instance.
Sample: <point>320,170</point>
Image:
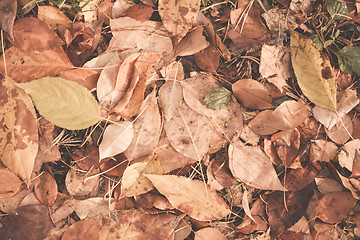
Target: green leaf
<point>349,59</point>
<point>218,98</point>
<point>313,71</point>
<point>338,10</point>
<point>319,45</point>
<point>65,103</point>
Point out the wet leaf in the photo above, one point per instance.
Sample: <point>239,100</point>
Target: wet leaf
<point>8,13</point>
<point>116,139</point>
<point>26,66</point>
<point>63,102</point>
<point>18,130</point>
<point>217,98</point>
<point>192,197</point>
<point>313,71</point>
<point>338,10</point>
<point>134,181</point>
<point>349,59</point>
<point>178,16</point>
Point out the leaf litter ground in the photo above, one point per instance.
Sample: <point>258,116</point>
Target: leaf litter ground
<point>179,120</point>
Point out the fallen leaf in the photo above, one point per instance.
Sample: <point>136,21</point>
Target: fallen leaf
<point>134,181</point>
<point>19,140</point>
<point>178,16</point>
<point>26,222</point>
<point>85,77</point>
<point>131,34</point>
<point>189,133</point>
<point>147,129</point>
<point>8,13</point>
<point>286,144</point>
<point>89,9</point>
<point>299,178</point>
<point>32,34</point>
<point>209,234</point>
<point>192,43</point>
<point>208,59</point>
<point>86,229</point>
<point>281,217</point>
<point>341,132</point>
<point>174,71</point>
<point>170,97</point>
<point>328,185</point>
<point>333,207</point>
<point>63,102</point>
<point>45,188</point>
<point>275,65</point>
<point>218,98</point>
<point>140,12</point>
<point>9,183</point>
<point>26,66</point>
<point>77,186</point>
<point>252,94</point>
<point>105,11</point>
<point>322,150</point>
<point>253,167</point>
<point>116,139</point>
<point>91,207</point>
<point>314,73</point>
<point>192,197</point>
<point>347,154</point>
<point>53,17</point>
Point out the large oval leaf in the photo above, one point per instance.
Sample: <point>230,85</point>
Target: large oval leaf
<point>65,103</point>
<point>313,71</point>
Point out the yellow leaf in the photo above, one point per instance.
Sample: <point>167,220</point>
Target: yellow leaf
<point>313,71</point>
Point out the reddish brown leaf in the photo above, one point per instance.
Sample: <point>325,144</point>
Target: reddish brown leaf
<point>26,66</point>
<point>53,17</point>
<point>286,144</point>
<point>333,207</point>
<point>86,158</point>
<point>258,212</point>
<point>105,11</point>
<point>281,217</point>
<point>9,183</point>
<point>208,59</point>
<point>86,229</point>
<point>86,77</point>
<point>46,188</point>
<point>299,178</point>
<point>140,12</point>
<point>27,222</point>
<point>32,34</point>
<point>8,14</point>
<point>48,151</point>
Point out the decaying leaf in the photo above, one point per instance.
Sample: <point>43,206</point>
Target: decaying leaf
<point>26,66</point>
<point>63,102</point>
<point>147,129</point>
<point>313,71</point>
<point>134,181</point>
<point>192,197</point>
<point>18,131</point>
<point>178,16</point>
<point>8,13</point>
<point>170,97</point>
<point>253,167</point>
<point>116,139</point>
<point>53,17</point>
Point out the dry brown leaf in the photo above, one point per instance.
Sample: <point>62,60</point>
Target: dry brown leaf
<point>192,197</point>
<point>208,59</point>
<point>105,11</point>
<point>253,167</point>
<point>178,16</point>
<point>45,188</point>
<point>134,181</point>
<point>192,43</point>
<point>76,184</point>
<point>32,34</point>
<point>169,158</point>
<point>341,132</point>
<point>24,66</point>
<point>85,77</point>
<point>48,150</point>
<point>136,36</point>
<point>252,94</point>
<point>9,183</point>
<point>19,139</point>
<point>90,207</point>
<point>333,207</point>
<point>173,71</point>
<point>328,185</point>
<point>299,178</point>
<point>86,229</point>
<point>170,97</point>
<point>347,154</point>
<point>8,13</point>
<point>189,133</point>
<point>275,65</point>
<point>322,150</point>
<point>286,144</point>
<point>10,204</point>
<point>53,17</point>
<point>147,129</point>
<point>27,222</point>
<point>140,12</point>
<point>209,234</point>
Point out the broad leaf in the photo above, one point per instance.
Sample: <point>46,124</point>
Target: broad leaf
<point>178,16</point>
<point>313,71</point>
<point>116,139</point>
<point>338,10</point>
<point>217,98</point>
<point>65,103</point>
<point>8,14</point>
<point>170,97</point>
<point>349,59</point>
<point>192,197</point>
<point>18,130</point>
